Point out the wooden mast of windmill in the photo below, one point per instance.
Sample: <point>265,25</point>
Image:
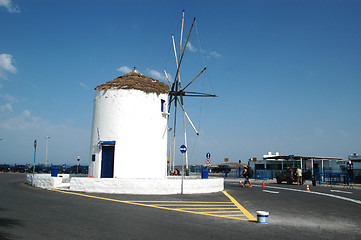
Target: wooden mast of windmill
<point>177,93</point>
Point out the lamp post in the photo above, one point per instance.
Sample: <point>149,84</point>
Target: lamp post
<point>77,169</point>
<point>46,151</point>
<point>32,181</point>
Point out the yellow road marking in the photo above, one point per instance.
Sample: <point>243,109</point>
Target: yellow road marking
<point>192,205</point>
<point>231,208</point>
<point>179,208</point>
<point>224,212</point>
<point>242,209</point>
<point>177,202</point>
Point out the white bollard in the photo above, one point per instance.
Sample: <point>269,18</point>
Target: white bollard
<point>262,217</point>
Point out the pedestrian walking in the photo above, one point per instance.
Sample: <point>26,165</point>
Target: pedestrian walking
<point>299,176</point>
<point>247,174</point>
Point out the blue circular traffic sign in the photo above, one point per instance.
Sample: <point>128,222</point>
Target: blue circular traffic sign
<point>208,155</point>
<point>183,149</point>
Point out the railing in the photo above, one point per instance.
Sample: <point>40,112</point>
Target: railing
<point>232,174</point>
<point>265,174</point>
<point>258,174</point>
<point>330,178</point>
<point>333,178</point>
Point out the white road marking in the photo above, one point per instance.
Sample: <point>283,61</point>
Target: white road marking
<point>341,191</point>
<point>318,193</point>
<point>269,191</point>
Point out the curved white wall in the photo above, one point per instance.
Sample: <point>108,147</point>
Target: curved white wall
<point>134,120</point>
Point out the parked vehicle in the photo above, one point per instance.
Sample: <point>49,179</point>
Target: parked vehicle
<point>5,168</point>
<point>220,169</point>
<point>290,177</point>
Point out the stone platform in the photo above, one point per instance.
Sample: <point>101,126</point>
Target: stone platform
<point>169,185</point>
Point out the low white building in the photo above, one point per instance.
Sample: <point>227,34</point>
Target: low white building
<point>129,130</point>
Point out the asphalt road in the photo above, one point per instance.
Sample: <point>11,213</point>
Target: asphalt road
<point>32,213</point>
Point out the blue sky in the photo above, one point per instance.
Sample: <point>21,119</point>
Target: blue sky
<point>287,73</point>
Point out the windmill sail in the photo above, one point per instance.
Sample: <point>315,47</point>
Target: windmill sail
<point>177,93</point>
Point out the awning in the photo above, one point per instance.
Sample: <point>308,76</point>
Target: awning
<point>293,157</point>
<point>106,143</point>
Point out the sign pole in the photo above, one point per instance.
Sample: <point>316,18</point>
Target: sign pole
<point>183,149</point>
<point>182,173</point>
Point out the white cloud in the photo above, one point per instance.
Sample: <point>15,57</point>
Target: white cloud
<point>124,69</point>
<point>6,107</point>
<point>155,74</point>
<point>21,130</point>
<point>26,121</point>
<point>9,98</point>
<point>211,54</point>
<point>214,54</point>
<point>191,48</point>
<point>10,6</point>
<point>319,132</point>
<point>6,65</point>
<point>22,121</point>
<point>344,133</point>
<point>26,113</point>
<point>83,85</point>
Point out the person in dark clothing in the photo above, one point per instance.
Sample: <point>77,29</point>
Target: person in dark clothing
<point>349,168</point>
<point>246,175</point>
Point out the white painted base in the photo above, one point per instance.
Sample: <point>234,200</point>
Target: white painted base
<point>46,181</point>
<point>170,185</point>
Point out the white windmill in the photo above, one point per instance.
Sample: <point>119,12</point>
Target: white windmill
<point>177,93</point>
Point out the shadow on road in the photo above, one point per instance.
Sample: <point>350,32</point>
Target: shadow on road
<point>7,222</point>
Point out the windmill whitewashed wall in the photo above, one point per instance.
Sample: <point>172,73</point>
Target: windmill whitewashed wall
<point>130,122</point>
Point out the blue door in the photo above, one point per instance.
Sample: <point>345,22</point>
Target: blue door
<point>107,162</point>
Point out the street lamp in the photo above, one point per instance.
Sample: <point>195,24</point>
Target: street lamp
<point>32,181</point>
<point>46,151</point>
<point>78,159</point>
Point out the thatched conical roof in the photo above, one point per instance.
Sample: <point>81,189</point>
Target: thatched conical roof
<point>138,81</point>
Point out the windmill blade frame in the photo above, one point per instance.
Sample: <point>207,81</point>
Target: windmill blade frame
<point>177,93</point>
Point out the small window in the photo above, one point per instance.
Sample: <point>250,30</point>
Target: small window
<point>93,157</point>
<point>162,105</point>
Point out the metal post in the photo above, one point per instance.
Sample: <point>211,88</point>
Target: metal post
<point>322,165</point>
<point>174,132</point>
<point>182,172</point>
<point>46,151</point>
<point>32,181</point>
<point>185,137</point>
<point>77,169</point>
<point>322,171</point>
<point>183,149</point>
<point>170,151</point>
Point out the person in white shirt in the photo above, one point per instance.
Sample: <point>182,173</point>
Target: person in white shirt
<point>299,176</point>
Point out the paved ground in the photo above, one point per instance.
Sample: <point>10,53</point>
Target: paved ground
<point>322,213</point>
